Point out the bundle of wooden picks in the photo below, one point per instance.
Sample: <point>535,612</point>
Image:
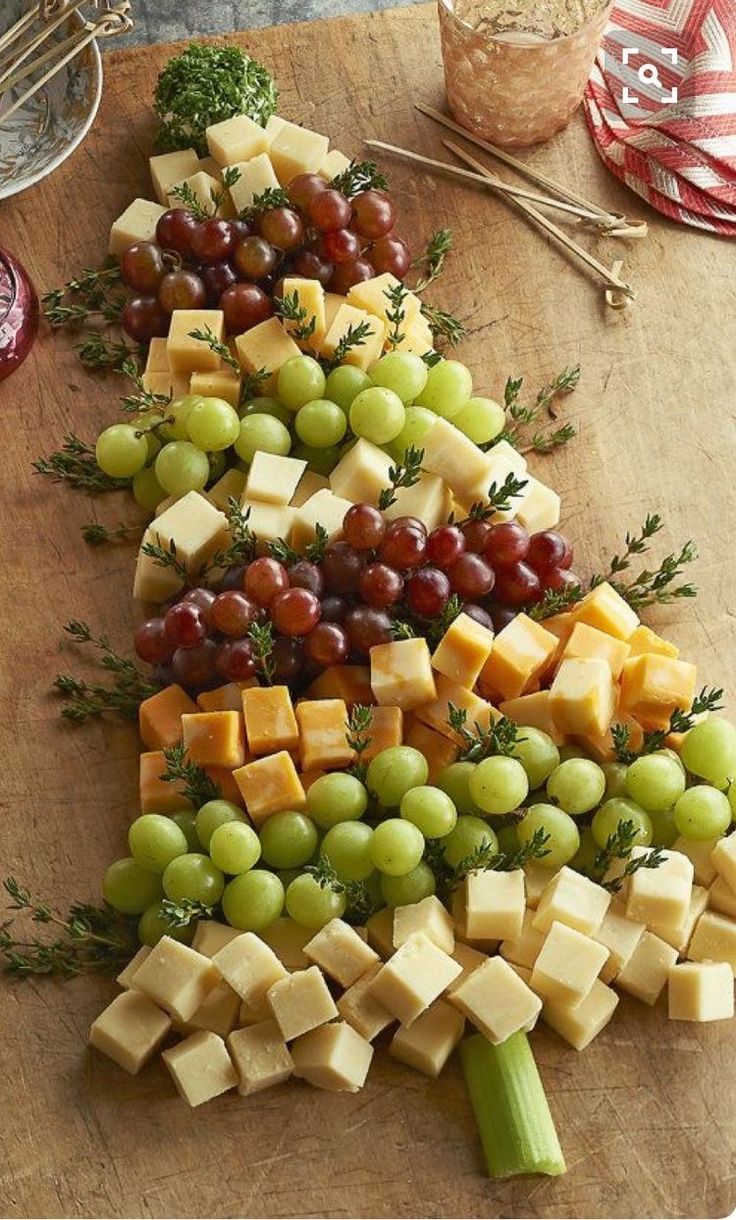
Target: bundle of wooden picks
<point>552,195</point>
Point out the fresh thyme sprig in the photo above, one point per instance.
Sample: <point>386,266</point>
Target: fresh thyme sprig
<point>433,258</point>
<point>91,294</point>
<point>184,194</point>
<point>564,383</point>
<point>650,586</point>
<point>197,786</point>
<point>619,846</point>
<point>230,175</point>
<point>288,308</point>
<point>181,914</point>
<point>261,637</point>
<point>272,197</point>
<point>402,629</point>
<point>488,859</point>
<point>498,499</point>
<point>75,463</point>
<point>556,601</point>
<point>355,336</point>
<point>85,701</point>
<point>708,700</point>
<point>431,358</point>
<point>445,328</point>
<point>141,401</point>
<point>252,384</point>
<point>555,438</point>
<point>359,900</point>
<point>207,335</point>
<point>90,938</point>
<point>242,546</point>
<point>500,737</point>
<point>95,534</point>
<point>404,474</point>
<point>522,415</point>
<point>166,557</point>
<point>314,550</point>
<point>357,735</point>
<point>279,548</point>
<point>98,352</point>
<point>358,177</point>
<point>437,626</point>
<point>395,313</point>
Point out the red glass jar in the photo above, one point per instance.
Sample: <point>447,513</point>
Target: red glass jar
<point>19,313</point>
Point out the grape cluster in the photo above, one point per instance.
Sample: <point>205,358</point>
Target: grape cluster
<point>237,265</point>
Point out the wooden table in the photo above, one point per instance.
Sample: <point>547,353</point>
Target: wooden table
<point>646,1115</point>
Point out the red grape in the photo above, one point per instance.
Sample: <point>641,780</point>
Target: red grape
<point>363,527</point>
<point>478,614</point>
<point>295,611</point>
<point>476,535</point>
<point>502,616</point>
<point>341,246</point>
<point>471,577</point>
<point>142,267</point>
<point>444,545</point>
<point>327,644</point>
<point>558,578</point>
<point>404,548</point>
<point>312,266</point>
<point>373,214</point>
<point>400,523</point>
<point>367,627</point>
<point>195,666</point>
<point>390,254</point>
<point>217,277</point>
<point>152,643</point>
<point>288,658</point>
<point>181,290</point>
<point>233,613</point>
<point>334,608</point>
<point>235,660</point>
<point>282,227</point>
<point>329,210</point>
<point>143,319</point>
<point>348,274</point>
<point>506,544</point>
<point>213,240</point>
<point>234,578</point>
<point>186,625</point>
<point>517,585</point>
<point>244,305</point>
<point>380,585</point>
<point>174,230</point>
<point>204,598</point>
<point>265,578</point>
<point>302,189</point>
<point>427,592</point>
<point>548,549</point>
<point>254,258</point>
<point>241,229</point>
<point>341,567</point>
<point>306,575</point>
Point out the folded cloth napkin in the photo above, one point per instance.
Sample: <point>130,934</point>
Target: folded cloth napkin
<point>661,106</point>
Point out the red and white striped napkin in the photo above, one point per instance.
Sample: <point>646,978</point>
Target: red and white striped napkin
<point>661,106</point>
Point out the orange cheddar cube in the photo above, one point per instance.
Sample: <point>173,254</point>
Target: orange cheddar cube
<point>652,686</point>
<point>323,734</point>
<point>463,651</point>
<point>646,640</point>
<point>437,713</point>
<point>586,641</point>
<point>601,748</point>
<point>606,609</point>
<point>269,785</point>
<point>214,739</point>
<point>534,710</point>
<point>159,717</point>
<point>157,796</point>
<point>438,750</point>
<point>270,723</point>
<point>386,729</point>
<point>520,653</point>
<point>349,682</point>
<point>401,674</point>
<point>228,698</point>
<point>583,697</point>
<point>223,777</point>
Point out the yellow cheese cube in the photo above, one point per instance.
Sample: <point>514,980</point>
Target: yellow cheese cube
<point>268,521</point>
<point>430,1040</point>
<point>270,723</point>
<point>362,474</point>
<point>497,1000</point>
<point>206,189</point>
<point>620,936</point>
<point>520,653</point>
<point>417,336</point>
<point>722,898</point>
<point>334,1057</point>
<point>645,640</point>
<point>256,176</point>
<point>341,953</point>
<point>502,461</point>
<point>217,383</point>
<point>679,934</point>
<point>152,581</point>
<point>309,483</point>
<point>371,296</point>
<point>230,487</point>
<point>261,1057</point>
<point>129,1030</point>
<point>602,748</point>
<point>255,1014</point>
<point>437,713</point>
<point>413,977</point>
<point>273,479</point>
<point>583,697</point>
<point>428,499</point>
<point>125,978</point>
<point>401,674</point>
<point>661,895</point>
<point>214,739</point>
<point>453,456</point>
<point>296,150</point>
<point>249,966</point>
<point>494,904</point>
<point>645,974</point>
<point>653,686</point>
<point>463,651</point>
<point>177,978</point>
<point>210,166</point>
<point>171,385</point>
<point>438,750</point>
<point>235,139</point>
<point>701,991</point>
<point>323,734</point>
<point>723,859</point>
<point>580,1023</point>
<point>469,959</point>
<point>187,355</point>
<point>274,125</point>
<point>196,528</point>
<point>334,163</point>
<point>586,641</point>
<point>714,939</point>
<point>218,1013</point>
<point>287,939</point>
<point>380,930</point>
<point>348,682</point>
<point>574,900</point>
<point>536,880</point>
<point>137,223</point>
<point>270,785</point>
<point>386,730</point>
<point>200,1067</point>
<point>301,1002</point>
<point>170,168</point>
<point>363,353</point>
<point>156,360</point>
<point>157,796</point>
<point>159,717</point>
<point>323,508</point>
<point>210,936</point>
<point>361,1009</point>
<point>535,711</point>
<point>523,950</point>
<point>540,507</point>
<point>429,916</point>
<point>567,964</point>
<point>265,346</point>
<point>228,698</point>
<point>309,296</point>
<point>333,301</point>
<point>605,609</point>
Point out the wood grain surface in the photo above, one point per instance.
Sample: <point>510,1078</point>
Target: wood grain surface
<point>646,1115</point>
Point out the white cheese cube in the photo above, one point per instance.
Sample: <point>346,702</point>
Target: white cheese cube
<point>287,939</point>
<point>539,509</point>
<point>364,353</point>
<point>580,1023</point>
<point>334,163</point>
<point>699,852</point>
<point>361,1009</point>
<point>714,939</point>
<point>256,176</point>
<point>153,582</point>
<point>497,1000</point>
<point>156,360</point>
<point>380,930</point>
<point>310,298</point>
<point>269,521</point>
<point>236,139</point>
<point>200,1067</point>
<point>362,474</point>
<point>572,899</point>
<point>341,952</point>
<point>254,1014</point>
<point>334,1057</point>
<point>222,382</point>
<point>494,904</point>
<point>428,499</point>
<point>261,1057</point>
<point>210,936</point>
<point>177,978</point>
<point>453,456</point>
<point>300,1002</point>
<point>265,347</point>
<point>219,1012</point>
<point>416,975</point>
<point>296,150</point>
<point>309,483</point>
<point>429,916</point>
<point>536,878</point>
<point>722,898</point>
<point>137,223</point>
<point>188,355</point>
<point>170,168</point>
<point>463,651</point>
<point>129,1030</point>
<point>503,460</point>
<point>249,966</point>
<point>469,959</point>
<point>274,125</point>
<point>429,1041</point>
<point>273,479</point>
<point>195,527</point>
<point>678,934</point>
<point>125,978</point>
<point>723,859</point>
<point>323,508</point>
<point>661,895</point>
<point>645,974</point>
<point>372,296</point>
<point>205,188</point>
<point>401,674</point>
<point>230,487</point>
<point>567,964</point>
<point>523,950</point>
<point>701,991</point>
<point>620,936</point>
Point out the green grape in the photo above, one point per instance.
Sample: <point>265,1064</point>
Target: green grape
<point>417,422</point>
<point>177,414</point>
<point>322,461</point>
<point>402,372</point>
<point>430,810</point>
<point>300,380</point>
<point>449,386</point>
<point>213,814</point>
<point>253,900</point>
<point>234,847</point>
<point>320,423</point>
<point>481,419</point>
<point>397,847</point>
<point>393,772</point>
<point>470,834</point>
<point>128,888</point>
<point>508,840</point>
<point>268,406</point>
<point>412,887</point>
<point>213,424</point>
<point>499,784</point>
<point>311,905</point>
<point>121,451</point>
<point>702,813</point>
<point>709,751</point>
<point>377,414</point>
<point>181,467</point>
<point>336,797</point>
<point>537,754</point>
<point>732,798</point>
<point>152,926</point>
<point>615,773</point>
<point>584,859</point>
<point>147,490</point>
<point>564,837</point>
<point>186,820</point>
<point>455,781</point>
<point>345,383</point>
<point>287,875</point>
<point>347,846</point>
<point>155,841</point>
<point>146,422</point>
<point>577,785</point>
<point>669,753</point>
<point>615,810</point>
<point>263,432</point>
<point>193,876</point>
<point>655,781</point>
<point>664,827</point>
<point>288,839</point>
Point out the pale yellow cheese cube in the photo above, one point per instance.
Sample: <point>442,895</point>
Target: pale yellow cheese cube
<point>222,382</point>
<point>333,301</point>
<point>249,966</point>
<point>580,1023</point>
<point>452,455</point>
<point>678,934</point>
<point>429,1041</point>
<point>341,952</point>
<point>157,360</point>
<point>463,651</point>
<point>607,610</point>
<point>701,991</point>
<point>502,461</point>
<point>334,1057</point>
<point>583,696</point>
<point>416,337</point>
<point>416,975</point>
<point>235,139</point>
<point>125,978</point>
<point>645,974</point>
<point>361,1009</point>
<point>310,296</point>
<point>254,1014</point>
<point>274,125</point>
<point>494,904</point>
<point>620,936</point>
<point>371,296</point>
<point>723,859</point>
<point>401,674</point>
<point>380,929</point>
<point>219,1012</point>
<point>268,521</point>
<point>574,900</point>
<point>429,916</point>
<point>536,880</point>
<point>273,479</point>
<point>722,898</point>
<point>534,711</point>
<point>362,473</point>
<point>301,1002</point>
<point>170,385</point>
<point>714,939</point>
<point>152,581</point>
<point>188,355</point>
<point>129,1030</point>
<point>296,150</point>
<point>210,936</point>
<point>137,223</point>
<point>497,1000</point>
<point>210,166</point>
<point>661,895</point>
<point>428,499</point>
<point>366,351</point>
<point>652,686</point>
<point>700,852</point>
<point>523,950</point>
<point>177,978</point>
<point>200,1067</point>
<point>206,189</point>
<point>540,507</point>
<point>520,653</point>
<point>170,168</point>
<point>469,959</point>
<point>309,484</point>
<point>323,508</point>
<point>265,346</point>
<point>287,939</point>
<point>230,487</point>
<point>334,163</point>
<point>256,176</point>
<point>261,1057</point>
<point>196,528</point>
<point>567,964</point>
<point>586,641</point>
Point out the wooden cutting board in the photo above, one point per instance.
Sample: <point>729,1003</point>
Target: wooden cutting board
<point>645,1115</point>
